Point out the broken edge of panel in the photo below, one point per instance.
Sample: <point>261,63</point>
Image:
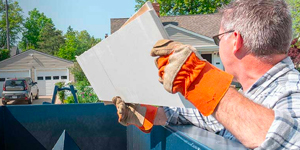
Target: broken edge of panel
<point>146,7</point>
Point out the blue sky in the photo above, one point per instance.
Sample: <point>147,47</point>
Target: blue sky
<point>91,15</point>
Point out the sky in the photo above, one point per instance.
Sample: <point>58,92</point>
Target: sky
<point>91,15</point>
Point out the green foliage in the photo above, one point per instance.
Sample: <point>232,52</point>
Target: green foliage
<point>61,94</point>
<point>185,7</point>
<point>295,11</point>
<point>69,100</point>
<point>50,39</point>
<point>4,54</point>
<point>33,26</point>
<point>86,95</point>
<point>76,43</point>
<point>15,22</point>
<point>68,50</point>
<point>79,75</point>
<point>86,41</point>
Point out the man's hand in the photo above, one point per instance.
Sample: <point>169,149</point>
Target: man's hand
<point>129,113</point>
<point>182,70</point>
<point>141,116</point>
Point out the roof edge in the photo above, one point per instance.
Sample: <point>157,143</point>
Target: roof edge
<point>31,50</point>
<point>188,31</point>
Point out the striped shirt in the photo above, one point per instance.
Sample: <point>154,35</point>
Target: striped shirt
<point>278,89</point>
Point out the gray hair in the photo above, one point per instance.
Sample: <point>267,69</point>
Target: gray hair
<point>265,25</point>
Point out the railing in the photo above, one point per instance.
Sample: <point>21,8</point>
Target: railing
<point>94,126</point>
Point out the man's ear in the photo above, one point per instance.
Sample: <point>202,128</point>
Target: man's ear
<point>238,42</point>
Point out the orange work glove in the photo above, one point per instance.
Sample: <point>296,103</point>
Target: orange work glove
<point>181,70</point>
<point>142,116</point>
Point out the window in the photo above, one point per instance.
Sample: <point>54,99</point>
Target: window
<point>40,78</point>
<point>55,77</point>
<point>48,78</point>
<point>208,57</point>
<point>14,83</point>
<point>63,77</point>
<point>2,79</point>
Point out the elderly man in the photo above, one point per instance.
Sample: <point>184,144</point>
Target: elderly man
<point>254,39</point>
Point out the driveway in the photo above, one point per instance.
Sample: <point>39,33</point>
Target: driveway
<point>35,101</point>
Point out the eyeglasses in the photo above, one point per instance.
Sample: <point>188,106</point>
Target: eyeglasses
<point>217,39</point>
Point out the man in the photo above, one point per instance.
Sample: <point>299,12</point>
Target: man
<point>254,39</point>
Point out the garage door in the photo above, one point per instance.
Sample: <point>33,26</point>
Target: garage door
<point>46,79</point>
<point>12,74</point>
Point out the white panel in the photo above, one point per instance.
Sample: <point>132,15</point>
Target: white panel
<point>217,61</point>
<point>96,75</point>
<point>123,65</point>
<point>12,74</point>
<point>46,87</point>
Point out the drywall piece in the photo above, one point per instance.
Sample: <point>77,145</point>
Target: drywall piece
<point>146,7</point>
<point>96,75</point>
<point>124,66</point>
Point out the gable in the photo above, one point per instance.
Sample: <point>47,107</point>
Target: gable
<point>188,37</point>
<point>34,59</point>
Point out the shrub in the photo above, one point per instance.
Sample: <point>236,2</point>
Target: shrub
<point>86,95</point>
<point>69,100</point>
<point>4,54</point>
<point>61,94</point>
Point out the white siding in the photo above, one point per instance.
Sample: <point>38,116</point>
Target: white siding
<point>217,61</point>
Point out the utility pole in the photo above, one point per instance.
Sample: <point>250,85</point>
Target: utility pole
<point>7,27</point>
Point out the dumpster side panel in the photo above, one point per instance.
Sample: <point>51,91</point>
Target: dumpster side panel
<point>91,126</point>
<point>16,136</point>
<point>159,139</point>
<point>1,128</point>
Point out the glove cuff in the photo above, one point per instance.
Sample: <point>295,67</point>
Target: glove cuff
<point>208,89</point>
<point>149,118</point>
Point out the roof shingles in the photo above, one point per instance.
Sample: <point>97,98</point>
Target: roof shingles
<point>207,25</point>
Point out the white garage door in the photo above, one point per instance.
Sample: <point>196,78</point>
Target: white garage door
<point>12,74</point>
<point>46,79</point>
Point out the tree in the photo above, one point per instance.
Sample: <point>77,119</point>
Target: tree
<point>86,41</point>
<point>33,26</point>
<point>15,22</point>
<point>68,50</point>
<point>184,7</point>
<point>50,39</point>
<point>79,75</point>
<point>76,43</point>
<point>295,11</point>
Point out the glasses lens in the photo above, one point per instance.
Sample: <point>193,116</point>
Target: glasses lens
<point>216,40</point>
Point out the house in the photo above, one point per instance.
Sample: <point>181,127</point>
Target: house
<point>195,30</point>
<point>44,69</point>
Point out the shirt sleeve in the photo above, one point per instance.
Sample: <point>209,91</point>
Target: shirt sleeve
<point>185,116</point>
<point>284,132</point>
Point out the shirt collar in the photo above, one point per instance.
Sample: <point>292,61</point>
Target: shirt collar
<point>276,71</point>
